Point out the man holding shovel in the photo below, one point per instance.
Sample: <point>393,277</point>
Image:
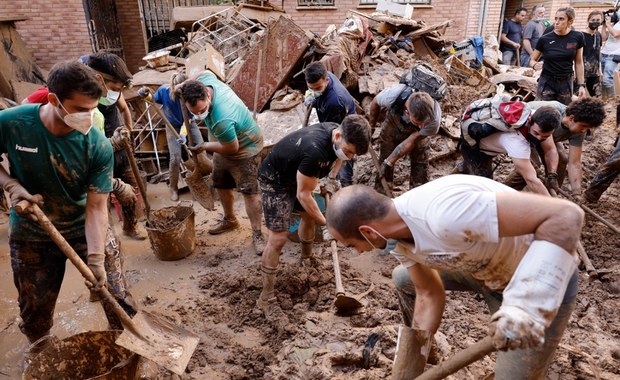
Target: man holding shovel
<point>54,153</point>
<point>235,142</point>
<point>289,175</point>
<point>471,233</point>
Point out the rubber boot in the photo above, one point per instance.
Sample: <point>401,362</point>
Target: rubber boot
<point>412,350</point>
<point>268,295</point>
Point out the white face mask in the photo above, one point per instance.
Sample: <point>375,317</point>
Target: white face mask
<point>368,240</point>
<point>201,116</point>
<point>111,98</point>
<point>340,153</point>
<point>316,94</point>
<point>80,121</point>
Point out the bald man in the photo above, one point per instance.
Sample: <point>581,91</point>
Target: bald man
<point>471,233</point>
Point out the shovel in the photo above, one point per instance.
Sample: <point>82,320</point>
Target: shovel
<point>344,303</point>
<point>157,340</point>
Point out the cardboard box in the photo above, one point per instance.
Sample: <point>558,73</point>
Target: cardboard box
<point>206,59</point>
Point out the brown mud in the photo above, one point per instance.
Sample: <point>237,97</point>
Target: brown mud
<point>213,293</point>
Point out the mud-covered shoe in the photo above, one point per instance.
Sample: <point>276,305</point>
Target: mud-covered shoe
<point>224,225</point>
<point>258,242</point>
<point>272,311</point>
<point>136,233</point>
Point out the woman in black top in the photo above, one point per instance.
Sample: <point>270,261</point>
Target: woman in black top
<point>592,53</point>
<point>562,49</point>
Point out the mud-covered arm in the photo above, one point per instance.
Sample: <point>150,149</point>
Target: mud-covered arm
<point>305,187</point>
<point>430,298</point>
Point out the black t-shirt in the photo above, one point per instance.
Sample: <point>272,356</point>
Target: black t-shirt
<point>559,53</point>
<point>591,54</point>
<point>308,150</point>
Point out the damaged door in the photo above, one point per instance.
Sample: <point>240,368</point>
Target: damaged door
<point>103,26</point>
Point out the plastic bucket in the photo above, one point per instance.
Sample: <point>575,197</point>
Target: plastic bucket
<point>296,219</point>
<point>89,355</point>
<point>172,232</point>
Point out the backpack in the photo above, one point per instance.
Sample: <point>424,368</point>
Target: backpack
<point>483,117</point>
<point>422,78</point>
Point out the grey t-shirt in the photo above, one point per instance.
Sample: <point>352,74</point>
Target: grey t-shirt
<point>533,31</point>
<point>387,97</point>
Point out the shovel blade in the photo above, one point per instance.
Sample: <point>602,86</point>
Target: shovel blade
<point>200,190</point>
<point>346,304</point>
<point>160,341</point>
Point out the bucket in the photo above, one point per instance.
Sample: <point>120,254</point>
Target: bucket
<point>296,219</point>
<point>171,232</point>
<point>89,355</point>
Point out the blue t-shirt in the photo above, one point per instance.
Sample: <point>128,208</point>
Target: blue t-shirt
<point>513,32</point>
<point>335,103</point>
<point>60,168</point>
<point>171,107</point>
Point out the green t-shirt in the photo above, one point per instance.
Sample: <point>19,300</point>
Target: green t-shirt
<point>61,169</point>
<point>230,119</point>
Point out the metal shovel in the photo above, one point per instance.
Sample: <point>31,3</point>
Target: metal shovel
<point>167,345</point>
<point>344,303</point>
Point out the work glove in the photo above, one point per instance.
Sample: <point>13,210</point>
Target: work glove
<point>614,18</point>
<point>329,186</point>
<point>326,235</point>
<point>533,296</point>
<point>309,98</point>
<point>197,149</point>
<point>96,264</point>
<point>18,193</point>
<point>143,92</point>
<point>124,192</point>
<point>120,138</point>
<point>577,198</point>
<point>552,181</point>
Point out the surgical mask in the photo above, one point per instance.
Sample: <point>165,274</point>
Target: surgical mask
<point>111,97</point>
<point>376,232</point>
<point>540,19</point>
<point>340,153</point>
<point>201,116</point>
<point>80,121</point>
<point>316,94</point>
<point>594,25</point>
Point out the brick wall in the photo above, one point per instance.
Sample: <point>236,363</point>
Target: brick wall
<point>132,36</point>
<point>56,29</point>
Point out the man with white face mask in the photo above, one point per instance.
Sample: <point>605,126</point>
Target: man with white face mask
<point>288,176</point>
<point>53,152</point>
<point>236,141</point>
<point>473,234</point>
<point>531,34</point>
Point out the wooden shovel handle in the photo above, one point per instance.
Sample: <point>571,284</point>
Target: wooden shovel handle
<point>461,360</point>
<point>169,126</point>
<point>339,287</point>
<point>591,212</point>
<point>136,174</point>
<point>81,266</point>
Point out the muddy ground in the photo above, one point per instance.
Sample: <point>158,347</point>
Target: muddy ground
<point>213,293</point>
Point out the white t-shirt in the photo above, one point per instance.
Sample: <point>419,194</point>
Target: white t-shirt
<point>512,143</point>
<point>612,45</point>
<point>454,225</point>
<point>387,97</point>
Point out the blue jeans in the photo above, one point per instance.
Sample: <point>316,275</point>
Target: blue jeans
<point>511,365</point>
<point>609,67</point>
<point>345,175</point>
<point>605,175</point>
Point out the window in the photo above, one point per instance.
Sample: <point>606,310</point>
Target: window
<point>375,2</point>
<point>316,3</point>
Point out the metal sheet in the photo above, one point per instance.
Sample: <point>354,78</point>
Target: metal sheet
<point>282,47</point>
